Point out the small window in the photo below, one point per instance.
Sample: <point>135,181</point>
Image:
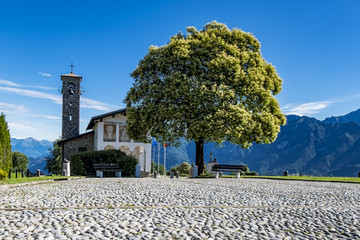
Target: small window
<point>82,149</point>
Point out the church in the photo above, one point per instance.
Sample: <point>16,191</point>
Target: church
<point>104,132</point>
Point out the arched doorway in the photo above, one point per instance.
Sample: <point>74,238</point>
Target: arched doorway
<point>125,149</point>
<point>109,147</point>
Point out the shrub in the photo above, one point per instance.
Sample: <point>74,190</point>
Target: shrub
<point>82,163</point>
<point>251,173</point>
<point>77,165</point>
<point>246,168</point>
<point>3,174</point>
<point>19,161</point>
<point>183,168</point>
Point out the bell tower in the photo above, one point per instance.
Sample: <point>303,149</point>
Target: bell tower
<point>70,104</point>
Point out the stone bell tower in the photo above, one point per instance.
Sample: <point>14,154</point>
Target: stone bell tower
<point>70,104</point>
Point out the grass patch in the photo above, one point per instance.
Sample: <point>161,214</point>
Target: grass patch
<point>306,178</point>
<point>206,175</point>
<point>228,176</point>
<point>18,180</point>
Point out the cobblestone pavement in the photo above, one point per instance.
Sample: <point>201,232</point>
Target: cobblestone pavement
<point>129,208</point>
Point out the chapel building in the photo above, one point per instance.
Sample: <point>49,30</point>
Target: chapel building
<point>104,132</point>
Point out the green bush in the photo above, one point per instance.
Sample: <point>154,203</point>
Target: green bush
<point>3,174</point>
<point>77,165</point>
<point>183,168</point>
<point>82,163</point>
<point>251,173</point>
<point>19,161</point>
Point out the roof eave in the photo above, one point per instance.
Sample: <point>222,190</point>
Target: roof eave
<point>93,119</point>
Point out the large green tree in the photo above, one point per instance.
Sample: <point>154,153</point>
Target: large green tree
<point>53,161</point>
<point>5,145</point>
<point>19,161</point>
<point>210,85</point>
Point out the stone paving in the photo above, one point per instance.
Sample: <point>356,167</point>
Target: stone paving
<point>163,208</point>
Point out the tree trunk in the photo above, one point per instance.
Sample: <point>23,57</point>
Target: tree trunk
<point>200,155</point>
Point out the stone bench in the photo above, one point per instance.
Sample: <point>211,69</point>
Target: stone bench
<point>107,167</point>
<point>227,168</point>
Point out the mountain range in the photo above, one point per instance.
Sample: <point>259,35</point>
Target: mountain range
<point>35,150</point>
<point>304,145</point>
<point>350,117</point>
<point>31,147</point>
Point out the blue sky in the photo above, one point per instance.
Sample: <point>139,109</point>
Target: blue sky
<point>314,45</point>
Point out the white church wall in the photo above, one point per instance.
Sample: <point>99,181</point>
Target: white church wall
<point>118,122</point>
<point>99,129</point>
<point>148,157</point>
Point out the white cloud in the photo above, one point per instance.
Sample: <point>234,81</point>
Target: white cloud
<point>84,121</point>
<point>89,103</point>
<point>311,108</point>
<point>31,93</point>
<point>84,102</point>
<point>9,83</point>
<point>12,108</point>
<point>306,108</point>
<point>53,117</point>
<point>45,74</point>
<point>23,123</point>
<point>13,84</point>
<point>36,129</point>
<point>45,88</point>
<point>19,126</point>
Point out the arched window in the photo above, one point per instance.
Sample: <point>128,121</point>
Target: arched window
<point>109,147</point>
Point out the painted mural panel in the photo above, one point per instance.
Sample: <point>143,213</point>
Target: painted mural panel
<point>123,137</point>
<point>109,132</point>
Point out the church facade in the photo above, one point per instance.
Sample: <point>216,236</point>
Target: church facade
<point>104,132</point>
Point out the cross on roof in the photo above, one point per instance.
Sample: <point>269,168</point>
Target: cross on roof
<point>72,67</point>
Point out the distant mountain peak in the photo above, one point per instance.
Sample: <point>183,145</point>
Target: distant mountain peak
<point>353,116</point>
<point>292,117</point>
<point>31,147</point>
<point>27,139</point>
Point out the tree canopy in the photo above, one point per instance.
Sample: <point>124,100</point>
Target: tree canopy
<point>5,145</point>
<point>210,85</point>
<point>53,161</point>
<point>19,161</point>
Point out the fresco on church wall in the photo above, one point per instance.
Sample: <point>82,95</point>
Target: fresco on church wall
<point>123,137</point>
<point>109,133</point>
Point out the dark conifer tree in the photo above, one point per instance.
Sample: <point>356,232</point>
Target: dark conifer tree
<point>5,145</point>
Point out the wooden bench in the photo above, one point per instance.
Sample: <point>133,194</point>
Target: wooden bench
<point>227,168</point>
<point>107,167</point>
